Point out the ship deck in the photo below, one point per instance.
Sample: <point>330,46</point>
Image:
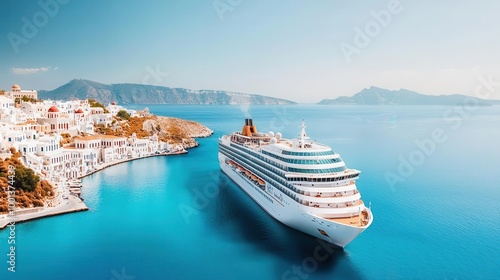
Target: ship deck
<point>355,221</point>
<point>352,221</point>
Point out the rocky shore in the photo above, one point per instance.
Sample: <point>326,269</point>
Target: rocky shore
<point>177,130</point>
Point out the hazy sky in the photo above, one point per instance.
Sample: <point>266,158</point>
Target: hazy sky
<point>296,49</point>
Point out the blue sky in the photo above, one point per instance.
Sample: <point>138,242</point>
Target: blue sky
<point>292,49</point>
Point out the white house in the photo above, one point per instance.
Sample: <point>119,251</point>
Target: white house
<point>116,146</point>
<point>34,110</point>
<point>88,142</point>
<point>57,121</point>
<point>6,103</point>
<point>114,109</point>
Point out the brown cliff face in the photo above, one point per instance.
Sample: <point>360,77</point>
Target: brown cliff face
<point>171,130</point>
<point>176,130</point>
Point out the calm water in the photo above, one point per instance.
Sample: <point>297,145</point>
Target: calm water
<point>179,218</point>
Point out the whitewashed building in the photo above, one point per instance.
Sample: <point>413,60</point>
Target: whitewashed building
<point>6,103</point>
<point>16,92</point>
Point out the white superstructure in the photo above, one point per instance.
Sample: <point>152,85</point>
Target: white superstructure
<point>299,182</point>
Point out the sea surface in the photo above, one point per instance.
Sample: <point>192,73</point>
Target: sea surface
<point>431,175</point>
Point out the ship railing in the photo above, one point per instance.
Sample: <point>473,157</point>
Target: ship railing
<point>329,194</point>
<point>333,205</point>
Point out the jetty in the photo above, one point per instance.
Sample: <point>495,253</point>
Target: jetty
<point>64,203</point>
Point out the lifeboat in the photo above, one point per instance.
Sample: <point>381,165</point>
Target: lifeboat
<point>254,177</point>
<point>261,182</point>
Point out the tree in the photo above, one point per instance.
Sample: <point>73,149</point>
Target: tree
<point>123,114</point>
<point>94,103</point>
<point>29,99</point>
<point>25,179</point>
<point>2,92</point>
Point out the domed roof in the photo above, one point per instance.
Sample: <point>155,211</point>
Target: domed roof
<point>46,162</point>
<point>16,87</point>
<point>113,103</point>
<point>53,109</point>
<point>79,111</point>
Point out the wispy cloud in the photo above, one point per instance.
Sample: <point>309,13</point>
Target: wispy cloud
<point>28,71</point>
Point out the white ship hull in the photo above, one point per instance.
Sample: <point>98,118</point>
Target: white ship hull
<point>289,212</point>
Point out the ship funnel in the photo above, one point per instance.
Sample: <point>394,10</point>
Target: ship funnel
<point>249,128</point>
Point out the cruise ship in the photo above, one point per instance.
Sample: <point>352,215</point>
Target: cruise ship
<point>301,183</point>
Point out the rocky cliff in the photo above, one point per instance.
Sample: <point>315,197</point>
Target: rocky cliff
<point>149,94</point>
<point>177,130</point>
<point>171,130</point>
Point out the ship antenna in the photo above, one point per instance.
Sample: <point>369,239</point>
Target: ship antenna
<point>302,134</point>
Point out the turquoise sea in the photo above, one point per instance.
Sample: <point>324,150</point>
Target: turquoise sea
<point>431,174</point>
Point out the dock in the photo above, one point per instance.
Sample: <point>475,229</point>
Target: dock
<point>70,205</point>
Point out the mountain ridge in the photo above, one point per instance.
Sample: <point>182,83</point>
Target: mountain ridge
<point>130,93</point>
<point>380,96</point>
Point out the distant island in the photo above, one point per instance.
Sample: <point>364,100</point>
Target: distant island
<point>150,94</point>
<point>380,96</point>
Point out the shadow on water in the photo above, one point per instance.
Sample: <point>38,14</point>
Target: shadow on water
<point>236,217</point>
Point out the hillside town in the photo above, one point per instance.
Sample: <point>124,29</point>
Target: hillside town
<point>62,141</point>
<point>37,128</point>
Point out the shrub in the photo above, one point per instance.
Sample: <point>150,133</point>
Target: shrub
<point>94,103</point>
<point>123,114</point>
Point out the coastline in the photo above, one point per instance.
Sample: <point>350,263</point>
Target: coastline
<point>73,204</point>
<point>109,164</point>
<point>67,201</point>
